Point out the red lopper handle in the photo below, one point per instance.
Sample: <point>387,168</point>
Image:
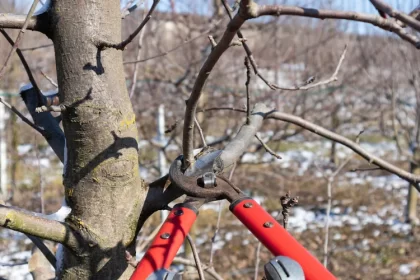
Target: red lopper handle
<point>273,236</point>
<point>166,243</point>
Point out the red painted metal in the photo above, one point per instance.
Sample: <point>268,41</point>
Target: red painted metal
<point>166,243</point>
<point>273,236</point>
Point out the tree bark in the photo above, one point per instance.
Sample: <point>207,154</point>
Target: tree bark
<point>102,182</point>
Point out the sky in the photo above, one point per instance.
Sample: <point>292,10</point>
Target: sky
<point>204,6</point>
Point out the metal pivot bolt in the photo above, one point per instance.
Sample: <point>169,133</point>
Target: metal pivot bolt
<point>165,235</point>
<point>268,224</point>
<point>179,212</point>
<point>248,205</point>
<point>207,180</point>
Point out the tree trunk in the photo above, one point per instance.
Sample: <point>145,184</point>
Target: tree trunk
<point>102,183</point>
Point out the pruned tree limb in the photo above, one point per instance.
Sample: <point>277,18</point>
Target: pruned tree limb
<point>190,111</point>
<point>22,221</point>
<point>17,22</point>
<point>246,134</point>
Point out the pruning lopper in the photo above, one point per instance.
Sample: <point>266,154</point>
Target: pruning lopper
<point>201,184</point>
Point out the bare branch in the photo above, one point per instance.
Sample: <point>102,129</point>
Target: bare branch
<point>26,66</point>
<point>308,84</point>
<point>248,80</point>
<point>329,205</point>
<point>21,116</point>
<point>49,79</point>
<point>19,37</point>
<point>387,9</point>
<point>219,218</point>
<point>241,141</point>
<point>207,269</point>
<point>372,159</point>
<point>136,68</point>
<point>267,148</point>
<point>200,131</point>
<point>27,223</point>
<point>36,48</point>
<point>204,73</point>
<point>386,24</point>
<point>196,257</point>
<point>175,48</point>
<point>123,44</point>
<point>257,260</point>
<point>17,21</point>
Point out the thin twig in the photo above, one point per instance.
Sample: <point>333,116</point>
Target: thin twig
<point>49,79</point>
<point>257,260</point>
<point>267,148</point>
<point>212,41</point>
<point>41,181</point>
<point>272,86</point>
<point>26,66</point>
<point>36,48</point>
<point>19,37</point>
<point>248,79</point>
<point>219,217</point>
<point>149,238</point>
<point>210,270</point>
<point>123,44</point>
<point>200,131</point>
<point>329,205</point>
<point>21,116</point>
<point>308,84</point>
<point>136,68</point>
<point>365,169</point>
<point>175,48</point>
<point>196,257</point>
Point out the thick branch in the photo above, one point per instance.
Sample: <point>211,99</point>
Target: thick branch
<point>383,7</point>
<point>222,46</point>
<point>17,21</point>
<point>414,179</point>
<point>123,44</point>
<point>386,24</point>
<point>24,222</point>
<point>246,134</point>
